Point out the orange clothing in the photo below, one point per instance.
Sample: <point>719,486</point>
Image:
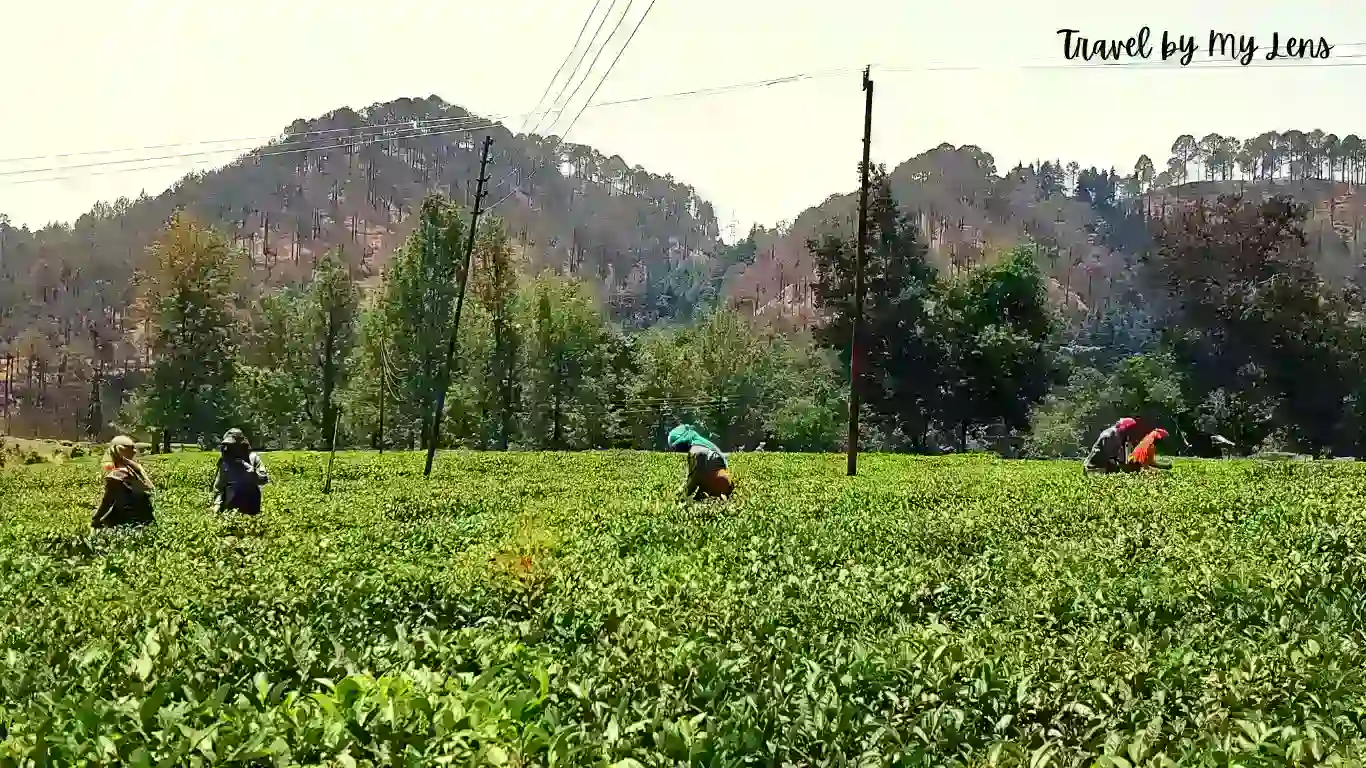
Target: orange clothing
<point>717,483</point>
<point>1146,451</point>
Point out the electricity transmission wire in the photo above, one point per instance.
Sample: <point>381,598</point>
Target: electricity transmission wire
<point>1141,64</point>
<point>1049,63</point>
<point>567,57</point>
<point>421,132</point>
<point>448,126</point>
<point>537,128</point>
<point>552,107</point>
<point>602,80</point>
<point>611,66</point>
<point>565,135</point>
<point>347,142</point>
<point>284,138</point>
<point>596,55</point>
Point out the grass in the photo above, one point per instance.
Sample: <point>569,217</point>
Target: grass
<point>532,609</point>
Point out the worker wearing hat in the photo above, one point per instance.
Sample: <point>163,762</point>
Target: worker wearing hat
<point>240,475</point>
<point>1108,453</point>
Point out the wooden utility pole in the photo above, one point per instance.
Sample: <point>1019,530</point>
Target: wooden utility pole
<point>459,304</point>
<point>858,274</point>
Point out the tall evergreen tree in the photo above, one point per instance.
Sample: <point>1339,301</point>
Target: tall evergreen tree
<point>897,351</point>
<point>419,301</point>
<point>187,293</point>
<point>495,288</point>
<point>332,303</point>
<point>997,365</point>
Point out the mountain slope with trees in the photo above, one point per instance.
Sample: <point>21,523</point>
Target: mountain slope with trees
<point>347,183</point>
<point>1038,298</point>
<point>1087,224</point>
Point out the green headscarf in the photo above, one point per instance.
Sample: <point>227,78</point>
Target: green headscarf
<point>684,434</point>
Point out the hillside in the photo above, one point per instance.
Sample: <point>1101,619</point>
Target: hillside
<point>352,180</point>
<point>1089,223</point>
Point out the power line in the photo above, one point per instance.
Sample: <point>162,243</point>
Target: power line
<point>589,72</point>
<point>567,57</point>
<point>286,137</point>
<point>611,66</point>
<point>363,141</point>
<point>574,72</point>
<point>707,91</point>
<point>605,75</point>
<point>416,128</point>
<point>1201,64</point>
<point>423,130</point>
<point>283,138</point>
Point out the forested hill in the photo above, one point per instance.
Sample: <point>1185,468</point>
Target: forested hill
<point>353,180</point>
<point>647,245</point>
<point>1089,223</point>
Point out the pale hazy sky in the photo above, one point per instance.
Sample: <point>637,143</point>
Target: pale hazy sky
<point>82,75</point>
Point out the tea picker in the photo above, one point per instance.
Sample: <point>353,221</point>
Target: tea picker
<point>1145,455</point>
<point>708,471</point>
<point>1108,453</point>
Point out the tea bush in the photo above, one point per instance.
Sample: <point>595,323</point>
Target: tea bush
<point>538,609</point>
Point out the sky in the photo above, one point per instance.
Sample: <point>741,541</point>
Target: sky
<point>86,75</point>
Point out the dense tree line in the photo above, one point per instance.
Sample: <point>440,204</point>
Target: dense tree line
<point>974,338</point>
<point>541,364</point>
<point>1237,335</point>
<point>351,183</point>
<point>1241,338</point>
<point>1294,155</point>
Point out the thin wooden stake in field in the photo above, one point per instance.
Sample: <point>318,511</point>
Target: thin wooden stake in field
<point>383,388</point>
<point>852,469</point>
<point>332,454</point>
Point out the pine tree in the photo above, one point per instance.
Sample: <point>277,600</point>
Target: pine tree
<point>420,291</point>
<point>187,294</point>
<point>898,356</point>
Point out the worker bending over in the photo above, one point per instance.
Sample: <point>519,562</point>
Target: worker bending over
<point>1145,455</point>
<point>708,472</point>
<point>1108,453</point>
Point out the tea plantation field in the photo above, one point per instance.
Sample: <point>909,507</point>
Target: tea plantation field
<point>562,609</point>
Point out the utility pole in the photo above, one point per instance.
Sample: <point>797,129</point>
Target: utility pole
<point>459,304</point>
<point>858,273</point>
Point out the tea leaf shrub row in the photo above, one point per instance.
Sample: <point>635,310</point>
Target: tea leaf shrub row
<point>561,609</point>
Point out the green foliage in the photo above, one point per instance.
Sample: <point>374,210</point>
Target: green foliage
<point>298,350</point>
<point>1271,348</point>
<point>1145,387</point>
<point>267,407</point>
<point>536,609</point>
<point>896,344</point>
<point>495,288</point>
<point>332,303</point>
<point>568,335</point>
<point>419,303</point>
<point>188,294</point>
<point>954,353</point>
<point>812,423</point>
<point>995,325</point>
